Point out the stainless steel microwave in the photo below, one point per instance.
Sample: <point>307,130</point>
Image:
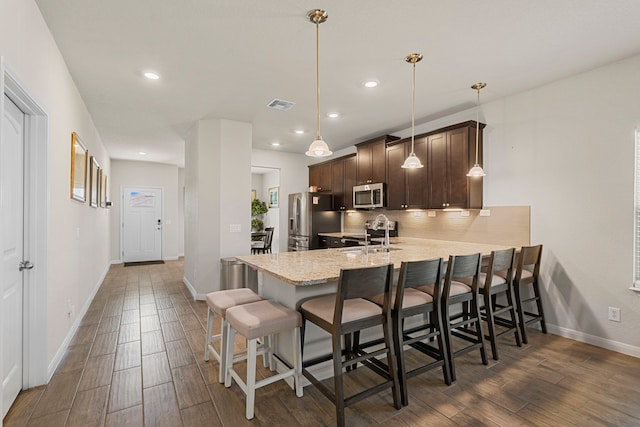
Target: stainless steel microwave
<point>368,196</point>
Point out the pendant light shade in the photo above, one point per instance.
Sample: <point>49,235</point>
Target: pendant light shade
<point>318,148</point>
<point>476,170</point>
<point>413,162</point>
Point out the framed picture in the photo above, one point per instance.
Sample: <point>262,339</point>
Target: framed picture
<point>79,155</point>
<point>253,195</point>
<point>94,183</point>
<point>103,189</point>
<point>273,197</point>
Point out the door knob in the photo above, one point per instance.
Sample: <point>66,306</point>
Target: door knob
<point>25,265</point>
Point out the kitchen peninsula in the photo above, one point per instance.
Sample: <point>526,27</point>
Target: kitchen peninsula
<point>290,277</point>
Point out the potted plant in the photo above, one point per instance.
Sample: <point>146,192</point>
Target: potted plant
<point>258,208</point>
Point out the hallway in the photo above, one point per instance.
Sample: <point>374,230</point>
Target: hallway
<point>137,359</point>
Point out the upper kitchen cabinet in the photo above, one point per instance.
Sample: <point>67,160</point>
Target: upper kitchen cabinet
<point>371,160</point>
<point>407,188</point>
<point>320,176</point>
<point>343,173</point>
<point>451,153</point>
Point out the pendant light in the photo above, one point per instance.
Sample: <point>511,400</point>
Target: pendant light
<point>476,170</point>
<point>413,162</point>
<point>318,148</point>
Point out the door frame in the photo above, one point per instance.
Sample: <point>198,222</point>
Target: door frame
<point>36,189</point>
<point>140,187</point>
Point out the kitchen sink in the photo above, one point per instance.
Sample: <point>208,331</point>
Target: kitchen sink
<point>366,250</point>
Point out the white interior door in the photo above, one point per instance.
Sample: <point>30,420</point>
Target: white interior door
<point>142,224</point>
<point>11,281</point>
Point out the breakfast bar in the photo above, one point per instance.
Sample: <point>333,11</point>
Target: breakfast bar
<point>290,277</point>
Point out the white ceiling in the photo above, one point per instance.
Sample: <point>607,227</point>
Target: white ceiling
<point>229,59</point>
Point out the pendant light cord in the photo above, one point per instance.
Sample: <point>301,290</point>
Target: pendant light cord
<point>477,123</point>
<point>318,78</point>
<point>413,108</point>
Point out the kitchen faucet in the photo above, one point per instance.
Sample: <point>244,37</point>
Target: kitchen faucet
<point>376,223</point>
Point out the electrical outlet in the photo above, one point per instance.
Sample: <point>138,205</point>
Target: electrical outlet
<point>614,314</point>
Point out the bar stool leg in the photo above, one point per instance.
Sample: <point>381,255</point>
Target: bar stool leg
<point>337,379</point>
<point>231,338</point>
<point>251,378</point>
<point>209,333</point>
<point>297,362</point>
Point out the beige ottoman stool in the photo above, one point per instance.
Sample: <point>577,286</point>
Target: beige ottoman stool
<point>218,303</point>
<point>255,320</point>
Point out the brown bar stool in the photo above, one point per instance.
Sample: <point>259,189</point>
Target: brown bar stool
<point>344,313</point>
<point>253,321</point>
<point>497,280</point>
<point>528,273</point>
<point>466,325</point>
<point>409,302</point>
<point>218,303</point>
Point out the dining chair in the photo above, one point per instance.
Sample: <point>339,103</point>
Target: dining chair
<point>343,313</point>
<point>528,273</point>
<point>426,333</point>
<point>496,280</point>
<point>263,246</point>
<point>465,325</point>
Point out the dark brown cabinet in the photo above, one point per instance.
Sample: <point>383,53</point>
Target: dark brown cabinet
<point>407,188</point>
<point>451,153</point>
<point>371,160</point>
<point>320,176</point>
<point>343,173</point>
<point>337,176</point>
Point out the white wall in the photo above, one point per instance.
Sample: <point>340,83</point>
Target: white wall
<point>294,178</point>
<point>180,221</point>
<point>567,150</point>
<point>78,235</point>
<point>147,174</point>
<point>218,186</point>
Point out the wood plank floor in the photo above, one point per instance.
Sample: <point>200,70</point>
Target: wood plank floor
<point>137,359</point>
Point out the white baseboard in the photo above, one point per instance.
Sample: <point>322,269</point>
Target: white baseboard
<point>594,340</point>
<point>196,296</point>
<point>116,261</point>
<point>74,327</point>
<point>170,258</point>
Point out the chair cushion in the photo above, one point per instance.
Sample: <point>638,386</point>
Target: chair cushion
<point>354,309</point>
<point>526,274</point>
<point>482,279</point>
<point>262,318</point>
<point>412,298</point>
<point>220,301</point>
<point>457,288</point>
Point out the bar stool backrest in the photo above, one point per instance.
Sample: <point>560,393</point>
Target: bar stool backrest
<point>363,283</point>
<point>460,267</point>
<point>419,273</point>
<point>529,259</point>
<point>500,261</point>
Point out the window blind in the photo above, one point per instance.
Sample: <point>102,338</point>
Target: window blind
<point>636,231</point>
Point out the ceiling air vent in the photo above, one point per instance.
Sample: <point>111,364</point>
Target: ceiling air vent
<point>281,105</point>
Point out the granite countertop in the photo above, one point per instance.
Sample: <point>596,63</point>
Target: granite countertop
<point>323,265</point>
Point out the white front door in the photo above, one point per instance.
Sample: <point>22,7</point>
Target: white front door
<point>142,224</point>
<point>11,281</point>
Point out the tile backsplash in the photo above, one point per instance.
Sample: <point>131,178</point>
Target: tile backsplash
<point>508,225</point>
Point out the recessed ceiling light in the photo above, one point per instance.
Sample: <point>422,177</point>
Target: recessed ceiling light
<point>142,153</point>
<point>370,83</point>
<point>151,75</point>
<point>298,131</point>
<point>333,115</point>
<point>275,144</point>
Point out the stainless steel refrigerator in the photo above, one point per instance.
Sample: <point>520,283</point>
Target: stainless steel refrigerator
<point>310,214</point>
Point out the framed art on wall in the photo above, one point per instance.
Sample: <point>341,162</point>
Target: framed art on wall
<point>103,189</point>
<point>94,183</point>
<point>79,155</point>
<point>274,196</point>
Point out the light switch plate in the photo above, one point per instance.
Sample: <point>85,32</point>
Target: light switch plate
<point>485,212</point>
<point>464,213</point>
<point>431,213</point>
<point>235,228</point>
<point>417,214</point>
